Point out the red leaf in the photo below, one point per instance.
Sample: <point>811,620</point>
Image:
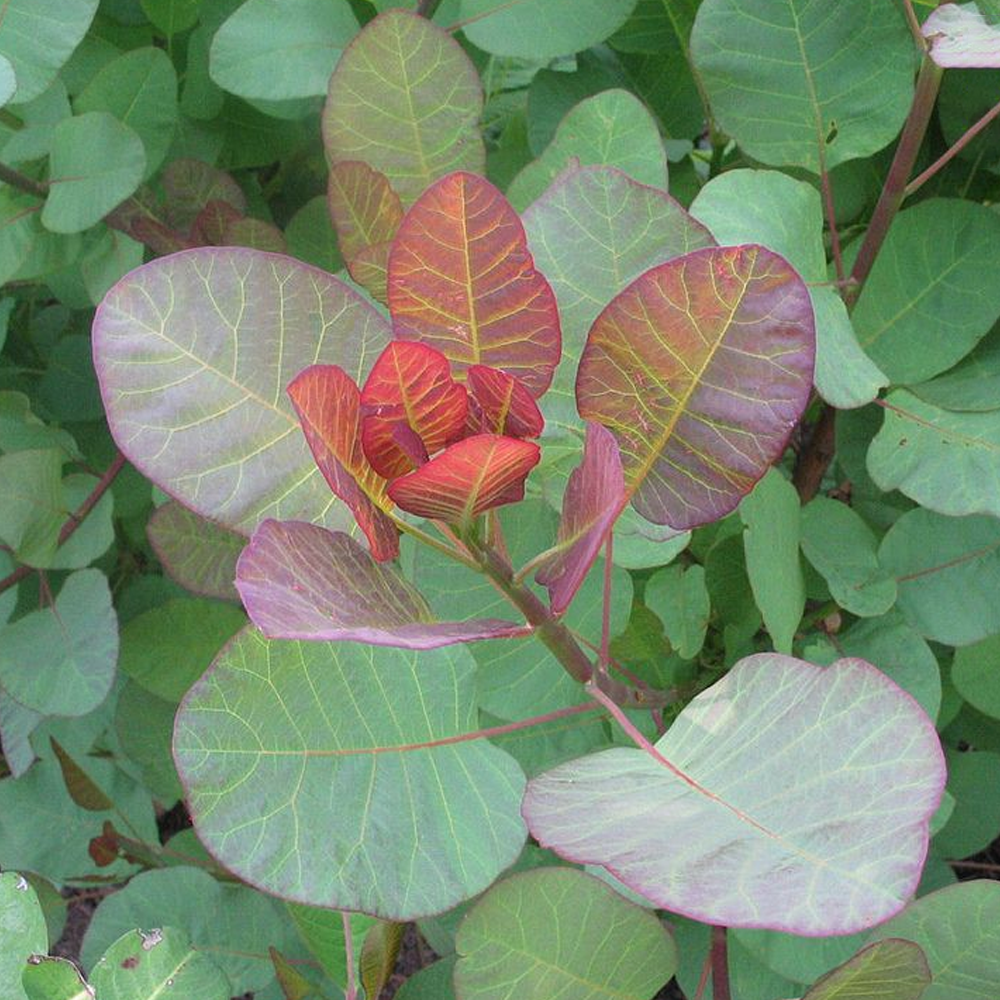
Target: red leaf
<point>500,404</point>
<point>461,279</point>
<point>700,368</point>
<point>468,478</point>
<point>328,404</point>
<point>212,222</point>
<point>595,496</point>
<point>410,388</point>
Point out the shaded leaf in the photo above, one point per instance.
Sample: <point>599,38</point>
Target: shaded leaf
<point>191,184</point>
<point>680,599</point>
<point>500,404</point>
<point>613,128</point>
<point>199,555</point>
<point>540,29</point>
<point>79,634</point>
<point>975,672</point>
<point>324,934</point>
<point>786,216</point>
<point>595,495</point>
<point>973,385</point>
<point>947,461</point>
<point>406,100</point>
<point>556,931</point>
<point>294,986</point>
<point>82,186</point>
<point>797,84</point>
<point>311,237</point>
<point>947,570</point>
<point>82,789</point>
<point>280,49</point>
<point>727,801</point>
<point>975,819</point>
<point>378,956</point>
<point>928,300</point>
<point>592,233</point>
<point>209,422</point>
<point>892,969</point>
<point>409,392</point>
<point>299,581</point>
<point>347,813</point>
<point>37,41</point>
<point>461,279</point>
<point>700,369</point>
<point>329,407</point>
<point>467,478</point>
<point>958,929</point>
<point>960,36</point>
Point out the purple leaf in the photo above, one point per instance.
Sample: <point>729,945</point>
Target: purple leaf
<point>960,36</point>
<point>300,581</point>
<point>595,495</point>
<point>786,796</point>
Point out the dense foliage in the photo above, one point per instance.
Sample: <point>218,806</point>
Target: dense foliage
<point>411,511</point>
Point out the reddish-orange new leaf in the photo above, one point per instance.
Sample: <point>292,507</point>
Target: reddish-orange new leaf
<point>468,478</point>
<point>410,388</point>
<point>329,407</point>
<point>500,404</point>
<point>461,278</point>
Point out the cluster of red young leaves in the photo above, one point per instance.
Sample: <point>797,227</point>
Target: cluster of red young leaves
<point>434,429</point>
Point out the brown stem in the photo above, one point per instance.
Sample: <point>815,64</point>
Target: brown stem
<point>894,190</point>
<point>720,965</point>
<point>947,156</point>
<point>22,182</point>
<point>75,519</point>
<point>427,8</point>
<point>816,456</point>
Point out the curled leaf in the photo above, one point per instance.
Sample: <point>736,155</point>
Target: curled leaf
<point>500,404</point>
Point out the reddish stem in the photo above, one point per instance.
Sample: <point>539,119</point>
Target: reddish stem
<point>720,965</point>
<point>351,993</point>
<point>604,655</point>
<point>816,456</point>
<point>74,520</point>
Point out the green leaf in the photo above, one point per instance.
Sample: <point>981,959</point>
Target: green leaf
<point>199,555</point>
<point>54,979</point>
<point>17,723</point>
<point>959,930</point>
<point>232,923</point>
<point>934,291</point>
<point>786,216</point>
<point>279,50</point>
<point>771,542</point>
<point>140,89</point>
<point>312,238</point>
<point>341,839</point>
<point>68,388</point>
<point>8,82</point>
<point>81,787</point>
<point>680,599</point>
<point>973,777</point>
<point>18,229</point>
<point>22,930</point>
<point>169,647</point>
<point>379,955</point>
<point>213,425</point>
<point>973,385</point>
<point>947,461</point>
<point>145,727</point>
<point>975,672</point>
<point>843,549</point>
<point>406,100</point>
<point>143,965</point>
<point>591,233</point>
<point>891,970</point>
<point>79,637</point>
<point>556,931</point>
<point>323,932</point>
<point>798,84</point>
<point>541,29</point>
<point>31,503</point>
<point>614,129</point>
<point>96,163</point>
<point>947,570</point>
<point>435,982</point>
<point>734,792</point>
<point>37,40</point>
<point>172,16</point>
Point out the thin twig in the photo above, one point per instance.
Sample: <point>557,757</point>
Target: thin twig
<point>74,520</point>
<point>22,182</point>
<point>960,144</point>
<point>914,22</point>
<point>815,457</point>
<point>831,221</point>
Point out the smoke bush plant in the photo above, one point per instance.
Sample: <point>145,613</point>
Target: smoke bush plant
<point>517,505</point>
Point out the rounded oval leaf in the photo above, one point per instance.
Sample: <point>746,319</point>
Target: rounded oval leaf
<point>560,932</point>
<point>389,807</point>
<point>786,796</point>
<point>194,352</point>
<point>462,280</point>
<point>406,100</point>
<point>701,368</point>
